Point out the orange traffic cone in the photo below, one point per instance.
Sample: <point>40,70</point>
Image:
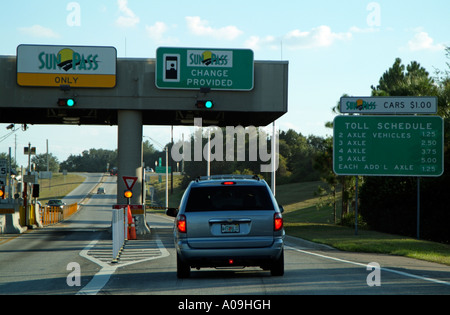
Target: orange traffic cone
<point>130,218</point>
<point>131,226</point>
<point>132,231</point>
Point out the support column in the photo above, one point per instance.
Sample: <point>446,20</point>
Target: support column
<point>129,160</point>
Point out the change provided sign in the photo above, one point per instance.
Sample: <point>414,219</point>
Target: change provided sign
<point>77,66</point>
<point>195,68</point>
<point>388,145</point>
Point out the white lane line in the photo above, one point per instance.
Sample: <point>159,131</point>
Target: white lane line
<point>365,266</point>
<point>101,278</point>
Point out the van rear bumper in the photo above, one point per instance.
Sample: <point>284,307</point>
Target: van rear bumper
<point>219,257</point>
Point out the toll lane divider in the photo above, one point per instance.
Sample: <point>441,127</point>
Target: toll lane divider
<point>52,214</point>
<point>119,232</point>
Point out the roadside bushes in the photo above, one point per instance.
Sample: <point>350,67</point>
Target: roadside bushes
<point>389,204</point>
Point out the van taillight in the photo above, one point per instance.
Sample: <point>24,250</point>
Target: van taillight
<point>228,183</point>
<point>181,223</point>
<point>277,222</point>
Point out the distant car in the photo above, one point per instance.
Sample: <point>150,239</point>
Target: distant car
<point>113,171</point>
<point>56,203</point>
<point>101,191</point>
<point>228,221</point>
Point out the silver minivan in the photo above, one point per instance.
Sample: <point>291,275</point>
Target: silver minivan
<point>228,221</point>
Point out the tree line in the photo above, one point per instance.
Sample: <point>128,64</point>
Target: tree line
<point>296,159</point>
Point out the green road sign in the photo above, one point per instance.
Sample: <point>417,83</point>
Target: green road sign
<point>388,146</point>
<point>195,68</point>
<point>393,105</point>
<point>162,169</point>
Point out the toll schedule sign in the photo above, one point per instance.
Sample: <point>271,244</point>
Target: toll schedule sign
<point>76,66</point>
<point>388,146</point>
<point>195,68</point>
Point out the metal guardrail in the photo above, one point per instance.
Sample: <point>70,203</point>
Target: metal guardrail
<point>54,214</point>
<point>157,207</point>
<point>119,232</point>
<point>51,215</point>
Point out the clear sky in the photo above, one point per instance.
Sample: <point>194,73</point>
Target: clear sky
<point>333,47</point>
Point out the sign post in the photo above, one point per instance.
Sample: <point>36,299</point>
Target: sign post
<point>195,68</point>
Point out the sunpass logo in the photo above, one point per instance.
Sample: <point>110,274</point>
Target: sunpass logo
<point>210,58</point>
<point>361,105</point>
<point>67,59</point>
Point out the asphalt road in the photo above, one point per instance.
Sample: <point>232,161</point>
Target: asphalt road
<point>309,269</point>
<point>36,261</point>
<point>53,259</point>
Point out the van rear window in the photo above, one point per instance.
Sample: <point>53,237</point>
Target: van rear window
<point>223,198</point>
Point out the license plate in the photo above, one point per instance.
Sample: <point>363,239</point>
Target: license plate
<point>230,228</point>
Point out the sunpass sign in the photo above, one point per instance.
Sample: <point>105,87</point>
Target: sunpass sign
<point>389,105</point>
<point>75,66</point>
<point>195,68</point>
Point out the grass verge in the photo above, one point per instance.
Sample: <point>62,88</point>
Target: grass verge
<point>304,220</point>
<point>58,186</point>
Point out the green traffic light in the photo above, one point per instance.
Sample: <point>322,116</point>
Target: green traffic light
<point>70,102</point>
<point>204,104</point>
